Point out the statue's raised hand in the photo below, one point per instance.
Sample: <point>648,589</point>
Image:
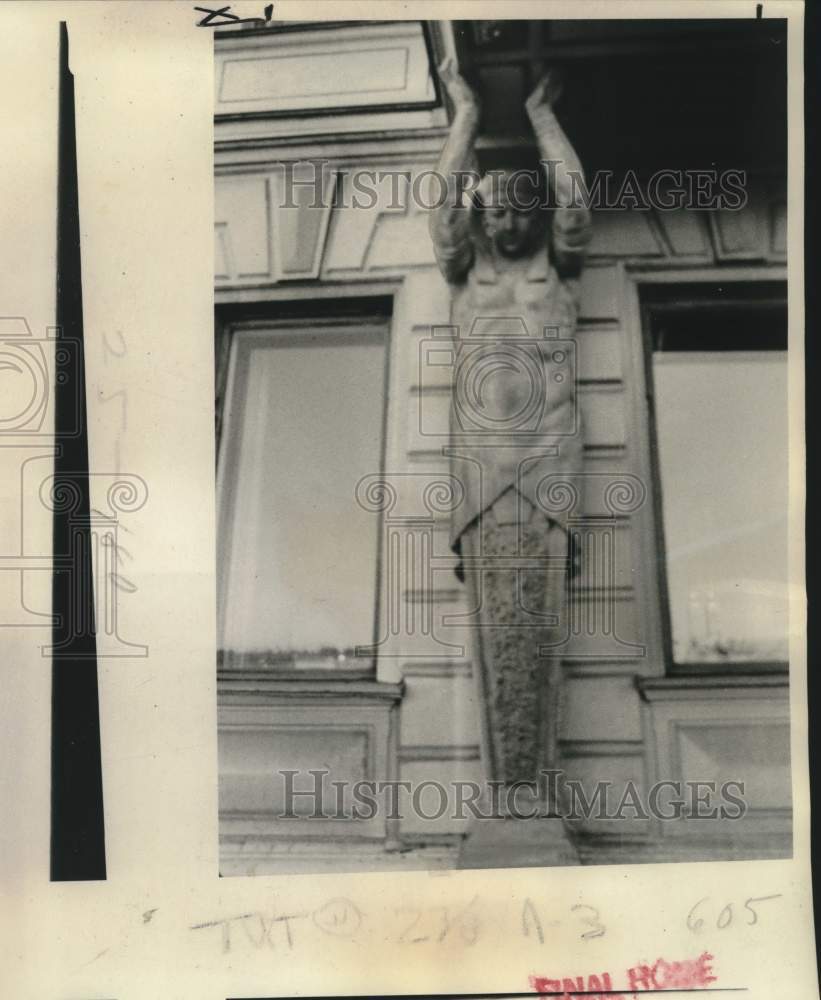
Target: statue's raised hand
<point>459,91</point>
<point>546,92</point>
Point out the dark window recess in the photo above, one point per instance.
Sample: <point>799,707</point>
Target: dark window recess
<point>632,99</point>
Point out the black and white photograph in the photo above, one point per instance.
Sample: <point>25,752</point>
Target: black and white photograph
<point>406,506</point>
<point>503,468</point>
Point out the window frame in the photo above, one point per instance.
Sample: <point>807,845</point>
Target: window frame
<point>289,317</point>
<point>656,298</point>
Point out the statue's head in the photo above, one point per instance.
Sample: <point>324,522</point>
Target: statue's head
<point>510,204</point>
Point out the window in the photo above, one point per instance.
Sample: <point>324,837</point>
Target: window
<point>303,423</point>
<point>718,378</point>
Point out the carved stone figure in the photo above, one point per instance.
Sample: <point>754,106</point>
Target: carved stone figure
<point>512,258</point>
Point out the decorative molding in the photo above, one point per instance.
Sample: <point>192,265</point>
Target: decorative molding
<point>267,685</point>
<point>738,733</point>
<point>442,751</point>
<point>244,854</point>
<point>618,849</point>
<point>373,66</point>
<point>624,234</point>
<point>439,669</point>
<point>272,226</point>
<point>685,234</point>
<point>241,216</point>
<point>573,748</point>
<point>741,235</point>
<point>447,595</point>
<point>333,239</point>
<point>711,686</point>
<point>298,726</point>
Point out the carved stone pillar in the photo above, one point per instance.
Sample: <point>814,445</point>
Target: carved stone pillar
<point>516,567</point>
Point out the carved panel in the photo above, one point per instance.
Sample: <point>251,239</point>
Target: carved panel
<point>267,229</point>
<point>288,72</point>
<point>268,726</point>
<point>380,221</point>
<point>735,732</point>
<point>252,754</point>
<point>401,242</point>
<point>623,234</point>
<point>758,755</point>
<point>686,233</point>
<point>272,227</point>
<point>241,219</point>
<point>301,205</point>
<point>744,234</point>
<point>358,213</point>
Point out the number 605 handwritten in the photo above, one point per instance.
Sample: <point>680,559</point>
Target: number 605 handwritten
<point>726,916</point>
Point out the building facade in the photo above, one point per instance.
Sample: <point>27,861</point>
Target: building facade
<point>344,644</point>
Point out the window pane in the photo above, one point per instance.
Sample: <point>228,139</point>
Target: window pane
<point>721,419</point>
<point>305,424</point>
